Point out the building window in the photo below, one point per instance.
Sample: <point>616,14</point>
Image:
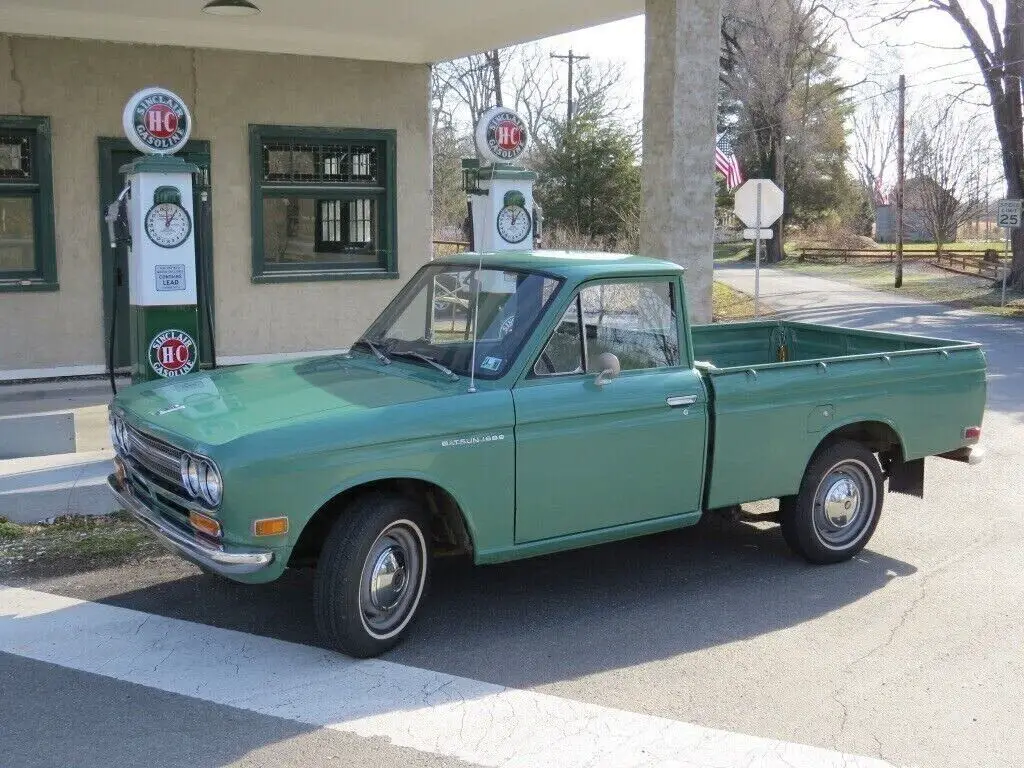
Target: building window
<point>323,203</point>
<point>27,256</point>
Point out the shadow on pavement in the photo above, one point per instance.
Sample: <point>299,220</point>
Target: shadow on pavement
<point>563,616</point>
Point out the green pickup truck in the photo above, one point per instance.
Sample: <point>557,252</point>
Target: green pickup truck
<point>511,405</point>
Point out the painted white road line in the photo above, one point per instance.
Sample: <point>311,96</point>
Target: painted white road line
<point>428,711</point>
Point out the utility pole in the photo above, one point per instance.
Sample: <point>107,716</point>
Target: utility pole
<point>901,127</point>
<point>571,58</point>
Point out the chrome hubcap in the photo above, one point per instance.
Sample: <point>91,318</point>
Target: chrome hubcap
<point>844,504</point>
<point>388,580</point>
<point>392,579</point>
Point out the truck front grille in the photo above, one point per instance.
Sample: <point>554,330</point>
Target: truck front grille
<point>157,459</point>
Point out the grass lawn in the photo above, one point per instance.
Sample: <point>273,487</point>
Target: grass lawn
<point>922,281</point>
<point>73,543</point>
<point>974,245</point>
<point>727,253</point>
<point>730,304</point>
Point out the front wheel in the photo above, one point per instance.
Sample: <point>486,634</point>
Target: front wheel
<point>371,575</point>
<point>836,511</point>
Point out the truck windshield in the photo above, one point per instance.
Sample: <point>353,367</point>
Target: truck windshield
<point>438,314</point>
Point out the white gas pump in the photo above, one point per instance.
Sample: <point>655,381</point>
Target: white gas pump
<point>501,193</point>
<point>155,215</point>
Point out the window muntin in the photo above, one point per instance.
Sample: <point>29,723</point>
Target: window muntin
<point>438,314</point>
<point>27,257</point>
<point>636,321</point>
<point>323,203</point>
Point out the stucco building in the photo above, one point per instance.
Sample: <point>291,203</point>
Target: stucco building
<point>311,127</point>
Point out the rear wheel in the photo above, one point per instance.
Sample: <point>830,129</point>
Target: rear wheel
<point>371,575</point>
<point>838,507</point>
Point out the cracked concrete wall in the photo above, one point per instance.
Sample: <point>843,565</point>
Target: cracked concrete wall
<point>680,103</point>
<point>82,87</point>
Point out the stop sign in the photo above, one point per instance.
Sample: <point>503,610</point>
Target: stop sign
<point>771,202</point>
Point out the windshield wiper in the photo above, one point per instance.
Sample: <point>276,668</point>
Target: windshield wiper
<point>381,357</point>
<point>429,360</point>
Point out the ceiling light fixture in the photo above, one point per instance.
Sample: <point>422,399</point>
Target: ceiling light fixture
<point>231,8</point>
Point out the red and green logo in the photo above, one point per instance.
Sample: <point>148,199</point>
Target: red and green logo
<point>172,353</point>
<point>157,121</point>
<point>506,135</point>
<point>501,136</point>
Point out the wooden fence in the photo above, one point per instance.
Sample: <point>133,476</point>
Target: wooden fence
<point>975,264</point>
<point>448,247</point>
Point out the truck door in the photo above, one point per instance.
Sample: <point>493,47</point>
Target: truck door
<point>590,456</point>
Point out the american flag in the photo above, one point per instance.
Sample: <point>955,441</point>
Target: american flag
<point>726,162</point>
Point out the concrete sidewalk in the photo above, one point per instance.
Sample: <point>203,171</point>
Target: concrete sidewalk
<point>53,473</point>
<point>816,300</point>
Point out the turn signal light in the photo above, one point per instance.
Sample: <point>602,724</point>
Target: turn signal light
<point>270,526</point>
<point>204,524</point>
<point>972,434</point>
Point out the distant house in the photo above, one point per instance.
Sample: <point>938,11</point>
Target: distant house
<point>919,198</point>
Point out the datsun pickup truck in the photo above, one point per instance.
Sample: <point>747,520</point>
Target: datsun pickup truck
<point>511,405</point>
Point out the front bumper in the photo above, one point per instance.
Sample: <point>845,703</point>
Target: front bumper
<point>226,562</point>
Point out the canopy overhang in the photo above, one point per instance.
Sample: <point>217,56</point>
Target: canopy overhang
<point>411,31</point>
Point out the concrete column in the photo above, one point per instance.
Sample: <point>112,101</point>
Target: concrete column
<point>680,103</point>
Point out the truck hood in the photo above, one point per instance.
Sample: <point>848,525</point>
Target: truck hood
<point>216,407</point>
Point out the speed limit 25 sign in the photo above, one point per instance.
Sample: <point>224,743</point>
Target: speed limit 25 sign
<point>1008,214</point>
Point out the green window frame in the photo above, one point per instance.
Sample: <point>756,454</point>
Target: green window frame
<point>350,230</point>
<point>26,174</point>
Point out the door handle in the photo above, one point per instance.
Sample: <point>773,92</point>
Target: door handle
<point>680,401</point>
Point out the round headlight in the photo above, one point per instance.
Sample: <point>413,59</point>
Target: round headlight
<point>211,485</point>
<point>190,474</point>
<point>126,443</point>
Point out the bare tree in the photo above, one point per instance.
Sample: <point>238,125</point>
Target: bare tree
<point>873,136</point>
<point>998,50</point>
<point>944,192</point>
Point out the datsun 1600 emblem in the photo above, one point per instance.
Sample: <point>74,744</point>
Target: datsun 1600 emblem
<point>172,353</point>
<point>501,135</point>
<point>157,121</point>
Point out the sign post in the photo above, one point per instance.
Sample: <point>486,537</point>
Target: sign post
<point>759,204</point>
<point>1008,216</point>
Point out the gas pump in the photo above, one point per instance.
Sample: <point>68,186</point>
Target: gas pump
<point>504,214</point>
<point>154,217</point>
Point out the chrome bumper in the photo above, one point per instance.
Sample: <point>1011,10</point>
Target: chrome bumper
<point>970,454</point>
<point>225,562</point>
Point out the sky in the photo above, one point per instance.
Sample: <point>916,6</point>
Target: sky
<point>926,49</point>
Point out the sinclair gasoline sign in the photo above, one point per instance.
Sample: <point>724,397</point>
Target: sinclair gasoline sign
<point>501,136</point>
<point>156,121</point>
<point>172,353</point>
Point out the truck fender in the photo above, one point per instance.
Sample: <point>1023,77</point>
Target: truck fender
<point>370,479</point>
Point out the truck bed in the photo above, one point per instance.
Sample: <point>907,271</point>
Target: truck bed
<point>776,389</point>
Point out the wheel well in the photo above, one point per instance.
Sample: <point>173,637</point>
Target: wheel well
<point>447,522</point>
<point>876,436</point>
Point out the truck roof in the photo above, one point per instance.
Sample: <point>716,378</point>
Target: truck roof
<point>568,264</point>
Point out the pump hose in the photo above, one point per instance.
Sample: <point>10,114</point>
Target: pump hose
<point>113,329</point>
<point>205,276</point>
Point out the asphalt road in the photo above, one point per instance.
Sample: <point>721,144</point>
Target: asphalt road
<point>910,652</point>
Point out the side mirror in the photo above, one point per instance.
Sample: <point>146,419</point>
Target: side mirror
<point>610,368</point>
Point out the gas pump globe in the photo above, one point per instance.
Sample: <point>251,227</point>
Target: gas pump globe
<point>501,193</point>
<point>158,207</point>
